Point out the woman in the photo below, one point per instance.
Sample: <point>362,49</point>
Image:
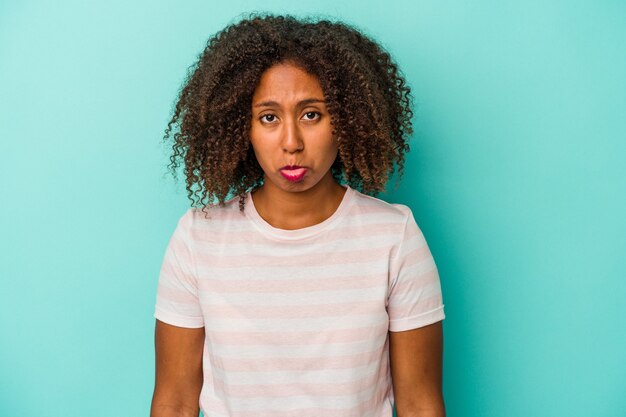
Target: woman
<point>302,295</point>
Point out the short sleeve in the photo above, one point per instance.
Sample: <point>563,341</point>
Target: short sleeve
<point>177,300</point>
<point>415,298</point>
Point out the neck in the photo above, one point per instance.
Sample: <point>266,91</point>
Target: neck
<point>296,210</point>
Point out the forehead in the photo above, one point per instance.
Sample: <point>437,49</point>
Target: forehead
<point>284,82</point>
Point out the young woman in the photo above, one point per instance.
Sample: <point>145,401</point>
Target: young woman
<point>303,294</point>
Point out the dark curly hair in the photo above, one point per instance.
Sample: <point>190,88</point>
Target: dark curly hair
<point>369,103</point>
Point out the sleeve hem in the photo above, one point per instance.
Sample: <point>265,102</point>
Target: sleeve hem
<point>178,320</point>
<point>414,322</point>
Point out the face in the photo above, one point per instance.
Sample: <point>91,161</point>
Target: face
<point>290,130</point>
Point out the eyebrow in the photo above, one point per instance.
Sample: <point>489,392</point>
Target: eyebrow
<point>271,103</point>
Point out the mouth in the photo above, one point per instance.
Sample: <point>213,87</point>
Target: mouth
<point>293,173</point>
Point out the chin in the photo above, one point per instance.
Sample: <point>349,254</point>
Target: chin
<point>304,184</point>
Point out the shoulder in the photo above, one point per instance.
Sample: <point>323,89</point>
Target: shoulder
<point>214,217</point>
<point>381,209</point>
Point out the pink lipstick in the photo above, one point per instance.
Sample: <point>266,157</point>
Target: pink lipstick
<point>293,173</point>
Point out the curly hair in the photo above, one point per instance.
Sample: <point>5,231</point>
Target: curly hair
<point>369,103</point>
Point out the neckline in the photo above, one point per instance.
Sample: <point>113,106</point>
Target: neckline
<point>296,234</point>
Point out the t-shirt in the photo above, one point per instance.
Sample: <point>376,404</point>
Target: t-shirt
<point>296,321</point>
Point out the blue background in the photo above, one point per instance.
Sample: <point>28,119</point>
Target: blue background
<point>517,177</point>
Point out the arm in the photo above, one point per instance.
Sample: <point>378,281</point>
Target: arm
<point>416,370</point>
<point>178,378</point>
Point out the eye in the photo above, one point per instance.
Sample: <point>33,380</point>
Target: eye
<point>312,115</point>
<point>268,118</point>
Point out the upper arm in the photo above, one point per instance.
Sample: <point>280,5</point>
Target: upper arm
<point>178,379</point>
<point>416,370</point>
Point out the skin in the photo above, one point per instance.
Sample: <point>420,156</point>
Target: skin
<point>415,358</point>
<point>178,378</point>
<point>291,126</point>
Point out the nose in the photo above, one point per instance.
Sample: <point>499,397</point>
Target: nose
<point>292,137</point>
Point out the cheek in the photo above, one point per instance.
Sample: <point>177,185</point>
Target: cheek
<point>329,153</point>
<point>334,146</point>
<point>258,152</point>
<point>255,148</point>
<point>263,155</point>
<point>255,137</point>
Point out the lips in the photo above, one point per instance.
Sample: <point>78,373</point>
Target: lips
<point>293,173</point>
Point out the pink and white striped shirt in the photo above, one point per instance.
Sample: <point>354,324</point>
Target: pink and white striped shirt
<point>297,321</point>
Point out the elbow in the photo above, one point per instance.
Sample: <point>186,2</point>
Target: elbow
<point>431,410</point>
<point>166,410</point>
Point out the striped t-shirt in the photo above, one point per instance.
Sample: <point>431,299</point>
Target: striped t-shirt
<point>297,321</point>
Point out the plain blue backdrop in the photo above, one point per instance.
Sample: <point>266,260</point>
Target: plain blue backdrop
<point>516,176</point>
